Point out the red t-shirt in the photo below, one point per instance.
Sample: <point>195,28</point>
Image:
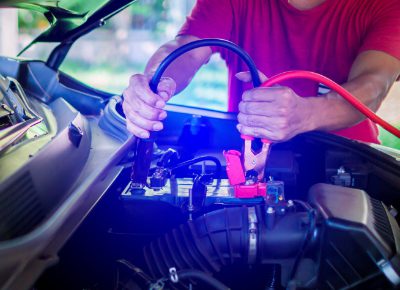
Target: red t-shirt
<point>325,39</point>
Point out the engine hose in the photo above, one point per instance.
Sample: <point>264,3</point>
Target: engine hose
<point>220,238</point>
<point>356,103</point>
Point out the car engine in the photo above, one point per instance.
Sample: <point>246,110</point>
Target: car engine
<point>73,216</point>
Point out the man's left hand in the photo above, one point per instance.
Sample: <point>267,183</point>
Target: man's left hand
<point>274,113</point>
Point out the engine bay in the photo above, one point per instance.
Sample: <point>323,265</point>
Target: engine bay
<point>323,218</point>
<point>319,223</point>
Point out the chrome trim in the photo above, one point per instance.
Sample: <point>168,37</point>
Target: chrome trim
<point>252,235</point>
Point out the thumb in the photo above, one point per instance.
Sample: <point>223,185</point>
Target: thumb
<point>166,88</point>
<point>245,76</point>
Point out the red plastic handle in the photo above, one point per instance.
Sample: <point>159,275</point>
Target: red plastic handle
<point>247,137</point>
<point>251,138</point>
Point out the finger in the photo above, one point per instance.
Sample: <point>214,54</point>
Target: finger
<point>166,88</point>
<point>260,109</point>
<point>257,132</point>
<point>264,133</point>
<point>139,88</point>
<point>143,123</point>
<point>253,120</point>
<point>272,124</point>
<point>267,94</point>
<point>137,131</point>
<point>245,76</point>
<point>143,109</point>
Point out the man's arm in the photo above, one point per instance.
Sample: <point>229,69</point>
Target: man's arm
<point>371,77</point>
<point>262,114</point>
<point>143,108</point>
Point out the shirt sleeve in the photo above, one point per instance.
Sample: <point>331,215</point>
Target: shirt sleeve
<point>209,19</point>
<point>383,32</point>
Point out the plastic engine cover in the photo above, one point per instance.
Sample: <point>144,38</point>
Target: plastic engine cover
<point>360,240</point>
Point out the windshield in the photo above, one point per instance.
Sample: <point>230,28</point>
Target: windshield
<point>129,39</point>
<point>78,7</point>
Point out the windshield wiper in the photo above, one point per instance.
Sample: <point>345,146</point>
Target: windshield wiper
<point>19,115</point>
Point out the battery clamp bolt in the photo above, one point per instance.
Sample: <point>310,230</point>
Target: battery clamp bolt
<point>173,275</point>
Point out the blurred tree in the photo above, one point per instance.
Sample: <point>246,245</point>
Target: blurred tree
<point>82,7</point>
<point>148,14</point>
<point>31,20</point>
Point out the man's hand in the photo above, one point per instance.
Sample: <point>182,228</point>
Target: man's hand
<point>144,110</point>
<point>275,113</point>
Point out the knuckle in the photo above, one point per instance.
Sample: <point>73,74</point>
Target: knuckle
<point>148,125</point>
<point>286,91</point>
<point>286,94</point>
<point>242,107</point>
<point>283,111</point>
<point>124,106</point>
<point>163,86</point>
<point>247,95</point>
<point>245,130</point>
<point>240,117</point>
<point>283,124</point>
<point>127,110</point>
<point>129,127</point>
<point>258,132</point>
<point>247,107</point>
<point>134,78</point>
<point>144,95</point>
<point>142,123</point>
<point>279,136</point>
<point>167,83</point>
<point>131,117</point>
<point>136,105</point>
<point>153,114</point>
<point>251,120</point>
<point>125,93</point>
<point>149,113</point>
<point>132,128</point>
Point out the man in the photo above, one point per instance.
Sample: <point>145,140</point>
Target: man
<point>354,42</point>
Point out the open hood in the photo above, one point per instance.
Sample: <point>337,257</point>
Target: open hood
<point>69,19</point>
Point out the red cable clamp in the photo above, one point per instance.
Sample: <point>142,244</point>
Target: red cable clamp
<point>237,179</point>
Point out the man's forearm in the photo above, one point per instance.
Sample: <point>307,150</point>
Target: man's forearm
<point>332,112</point>
<point>370,79</point>
<point>183,68</point>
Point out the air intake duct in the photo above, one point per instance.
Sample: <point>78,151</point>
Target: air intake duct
<point>225,236</point>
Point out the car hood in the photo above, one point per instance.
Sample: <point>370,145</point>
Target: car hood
<point>69,19</point>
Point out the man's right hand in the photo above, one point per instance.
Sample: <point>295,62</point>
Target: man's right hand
<point>144,110</point>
